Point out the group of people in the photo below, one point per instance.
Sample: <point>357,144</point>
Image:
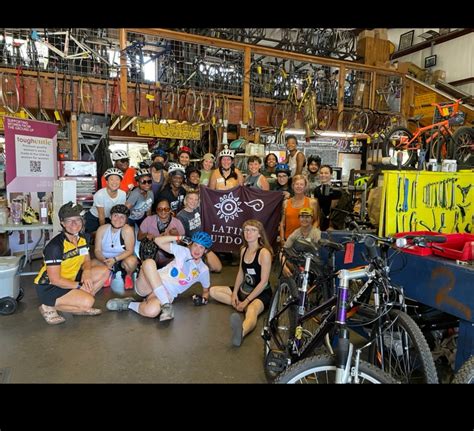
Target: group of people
<point>160,204</point>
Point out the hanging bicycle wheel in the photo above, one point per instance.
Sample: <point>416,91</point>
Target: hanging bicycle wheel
<point>461,147</point>
<point>322,370</point>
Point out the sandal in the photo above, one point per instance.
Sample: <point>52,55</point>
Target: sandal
<point>90,312</point>
<point>51,316</point>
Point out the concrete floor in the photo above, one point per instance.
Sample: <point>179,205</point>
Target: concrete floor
<point>123,347</point>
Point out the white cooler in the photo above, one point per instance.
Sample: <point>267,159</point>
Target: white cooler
<point>9,277</point>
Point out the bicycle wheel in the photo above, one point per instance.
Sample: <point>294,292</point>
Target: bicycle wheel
<point>465,374</point>
<point>279,329</point>
<point>322,370</point>
<point>397,140</point>
<point>461,147</point>
<point>401,350</point>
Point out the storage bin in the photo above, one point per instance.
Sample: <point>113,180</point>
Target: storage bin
<point>458,246</point>
<point>414,249</point>
<point>9,281</point>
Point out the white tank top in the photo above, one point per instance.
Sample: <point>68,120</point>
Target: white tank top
<point>111,246</point>
<point>292,163</point>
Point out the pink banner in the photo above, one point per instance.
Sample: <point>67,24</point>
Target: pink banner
<point>224,211</point>
<point>31,155</point>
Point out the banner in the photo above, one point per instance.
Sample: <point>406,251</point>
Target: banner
<point>224,211</point>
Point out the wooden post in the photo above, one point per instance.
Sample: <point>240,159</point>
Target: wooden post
<point>373,86</point>
<point>340,95</point>
<point>123,71</point>
<point>74,140</point>
<point>244,131</point>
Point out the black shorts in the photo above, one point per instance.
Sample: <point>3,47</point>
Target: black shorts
<point>265,296</point>
<point>92,222</point>
<point>48,293</point>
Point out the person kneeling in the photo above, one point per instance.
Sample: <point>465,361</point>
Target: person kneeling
<point>66,281</point>
<point>161,286</point>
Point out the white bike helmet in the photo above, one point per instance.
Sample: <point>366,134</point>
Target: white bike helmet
<point>227,152</point>
<point>113,171</point>
<point>119,154</point>
<point>142,173</point>
<point>176,169</point>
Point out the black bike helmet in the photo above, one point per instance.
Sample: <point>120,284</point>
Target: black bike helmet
<point>120,209</point>
<point>70,210</point>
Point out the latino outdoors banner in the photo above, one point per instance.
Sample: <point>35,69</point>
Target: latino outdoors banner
<point>224,211</point>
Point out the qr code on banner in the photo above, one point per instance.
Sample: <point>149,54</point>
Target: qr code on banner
<point>35,166</point>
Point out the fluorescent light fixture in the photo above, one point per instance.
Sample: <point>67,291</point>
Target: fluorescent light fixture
<point>294,132</point>
<point>334,134</point>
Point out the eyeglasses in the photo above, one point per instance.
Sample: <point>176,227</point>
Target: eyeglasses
<point>305,216</point>
<point>250,229</point>
<point>124,160</point>
<point>166,210</point>
<point>146,182</point>
<point>73,221</point>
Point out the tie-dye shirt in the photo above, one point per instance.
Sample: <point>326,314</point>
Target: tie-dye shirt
<point>183,271</point>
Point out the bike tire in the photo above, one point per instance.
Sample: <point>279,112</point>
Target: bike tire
<point>465,374</point>
<point>321,369</point>
<point>419,367</point>
<point>285,325</point>
<point>461,147</point>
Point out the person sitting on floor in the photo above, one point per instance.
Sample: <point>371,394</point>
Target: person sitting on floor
<point>251,293</point>
<point>114,247</point>
<point>67,281</point>
<point>160,287</point>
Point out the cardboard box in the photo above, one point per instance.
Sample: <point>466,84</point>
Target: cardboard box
<point>366,33</point>
<point>373,50</point>
<point>438,75</point>
<point>381,33</point>
<point>402,66</point>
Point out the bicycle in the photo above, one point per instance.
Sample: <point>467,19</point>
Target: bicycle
<point>290,337</point>
<point>434,139</point>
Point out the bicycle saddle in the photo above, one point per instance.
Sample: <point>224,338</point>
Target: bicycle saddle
<point>330,244</point>
<point>305,246</point>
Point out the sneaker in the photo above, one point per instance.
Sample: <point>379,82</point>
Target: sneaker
<point>236,325</point>
<point>118,285</point>
<point>109,279</point>
<point>128,282</point>
<point>167,312</point>
<point>118,304</point>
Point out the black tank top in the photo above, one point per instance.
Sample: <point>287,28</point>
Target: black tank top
<point>252,272</point>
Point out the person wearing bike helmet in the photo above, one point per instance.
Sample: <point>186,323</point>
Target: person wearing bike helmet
<point>114,247</point>
<point>226,176</point>
<point>159,178</point>
<point>184,156</point>
<point>121,161</point>
<point>207,165</point>
<point>251,293</point>
<point>67,281</point>
<point>174,192</point>
<point>140,199</point>
<point>283,180</point>
<point>159,156</point>
<point>104,200</point>
<point>160,287</point>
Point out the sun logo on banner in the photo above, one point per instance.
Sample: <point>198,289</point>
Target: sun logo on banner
<point>229,207</point>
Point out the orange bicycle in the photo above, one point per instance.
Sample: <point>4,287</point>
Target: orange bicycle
<point>431,141</point>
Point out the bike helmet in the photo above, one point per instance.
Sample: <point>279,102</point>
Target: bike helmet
<point>283,168</point>
<point>184,149</point>
<point>209,156</point>
<point>202,238</point>
<point>142,173</point>
<point>227,152</point>
<point>120,209</point>
<point>120,154</point>
<point>113,171</point>
<point>176,169</point>
<point>159,153</point>
<point>70,210</point>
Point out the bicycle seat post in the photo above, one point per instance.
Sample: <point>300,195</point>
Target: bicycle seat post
<point>304,285</point>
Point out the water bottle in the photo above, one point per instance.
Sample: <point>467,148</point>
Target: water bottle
<point>16,211</point>
<point>43,211</point>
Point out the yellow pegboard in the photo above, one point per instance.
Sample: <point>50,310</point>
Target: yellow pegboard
<point>433,197</point>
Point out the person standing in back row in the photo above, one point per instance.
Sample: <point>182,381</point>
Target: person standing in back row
<point>295,158</point>
<point>121,161</point>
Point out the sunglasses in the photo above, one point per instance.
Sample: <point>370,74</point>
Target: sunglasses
<point>146,182</point>
<point>124,160</point>
<point>166,210</point>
